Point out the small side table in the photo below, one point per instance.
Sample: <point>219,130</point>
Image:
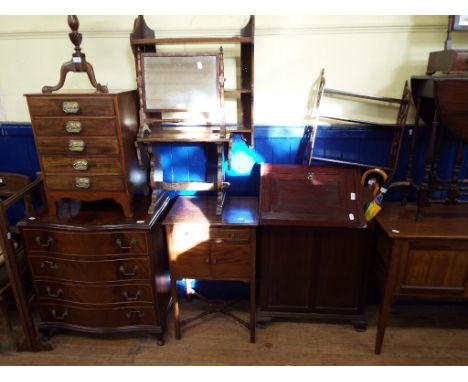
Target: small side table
<point>203,245</point>
<point>421,260</point>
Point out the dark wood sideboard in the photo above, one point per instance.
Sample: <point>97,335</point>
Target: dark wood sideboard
<point>420,260</point>
<point>85,143</point>
<point>95,271</point>
<point>314,244</point>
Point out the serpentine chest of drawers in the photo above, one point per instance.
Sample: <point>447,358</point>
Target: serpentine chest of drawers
<point>85,146</point>
<point>95,271</point>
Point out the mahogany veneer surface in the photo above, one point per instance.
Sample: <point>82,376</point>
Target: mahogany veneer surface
<point>97,271</point>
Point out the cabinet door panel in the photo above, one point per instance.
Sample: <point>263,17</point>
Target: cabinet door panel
<point>341,270</point>
<point>435,271</point>
<point>286,261</point>
<point>230,261</point>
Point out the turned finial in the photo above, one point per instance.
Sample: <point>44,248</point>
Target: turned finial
<point>78,63</point>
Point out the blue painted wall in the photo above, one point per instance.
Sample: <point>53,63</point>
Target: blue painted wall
<point>273,144</point>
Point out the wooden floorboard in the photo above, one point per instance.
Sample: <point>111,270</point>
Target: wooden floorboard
<point>417,334</point>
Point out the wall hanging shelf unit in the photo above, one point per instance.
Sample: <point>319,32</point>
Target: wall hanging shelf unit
<point>161,102</point>
<point>398,128</point>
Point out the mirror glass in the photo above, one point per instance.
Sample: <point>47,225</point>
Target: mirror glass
<point>180,83</point>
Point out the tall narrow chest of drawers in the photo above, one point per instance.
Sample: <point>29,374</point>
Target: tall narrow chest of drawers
<point>85,146</point>
<point>95,271</point>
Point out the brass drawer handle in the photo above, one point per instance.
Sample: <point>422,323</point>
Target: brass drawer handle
<point>123,272</point>
<point>80,165</point>
<point>47,244</point>
<point>82,182</point>
<point>126,296</point>
<point>56,294</point>
<point>50,264</point>
<point>76,145</point>
<point>73,127</point>
<point>61,317</point>
<point>139,313</point>
<point>310,176</point>
<point>219,241</point>
<point>70,107</point>
<point>129,246</point>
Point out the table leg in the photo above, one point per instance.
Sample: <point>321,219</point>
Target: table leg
<point>252,312</point>
<point>253,289</point>
<point>175,307</point>
<point>387,298</point>
<point>382,323</point>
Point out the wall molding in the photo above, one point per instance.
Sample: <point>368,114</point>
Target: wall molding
<point>261,31</point>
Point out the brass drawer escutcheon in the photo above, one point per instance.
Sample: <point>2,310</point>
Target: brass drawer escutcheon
<point>74,127</point>
<point>70,107</point>
<point>80,165</point>
<point>76,145</point>
<point>82,182</point>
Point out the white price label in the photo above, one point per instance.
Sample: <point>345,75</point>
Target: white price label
<point>77,60</point>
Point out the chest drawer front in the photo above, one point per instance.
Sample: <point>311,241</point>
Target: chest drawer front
<point>70,106</point>
<point>78,145</point>
<point>84,182</point>
<point>44,266</point>
<point>98,317</point>
<point>230,261</point>
<point>78,243</point>
<point>70,126</point>
<point>122,293</point>
<point>81,164</point>
<point>85,243</point>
